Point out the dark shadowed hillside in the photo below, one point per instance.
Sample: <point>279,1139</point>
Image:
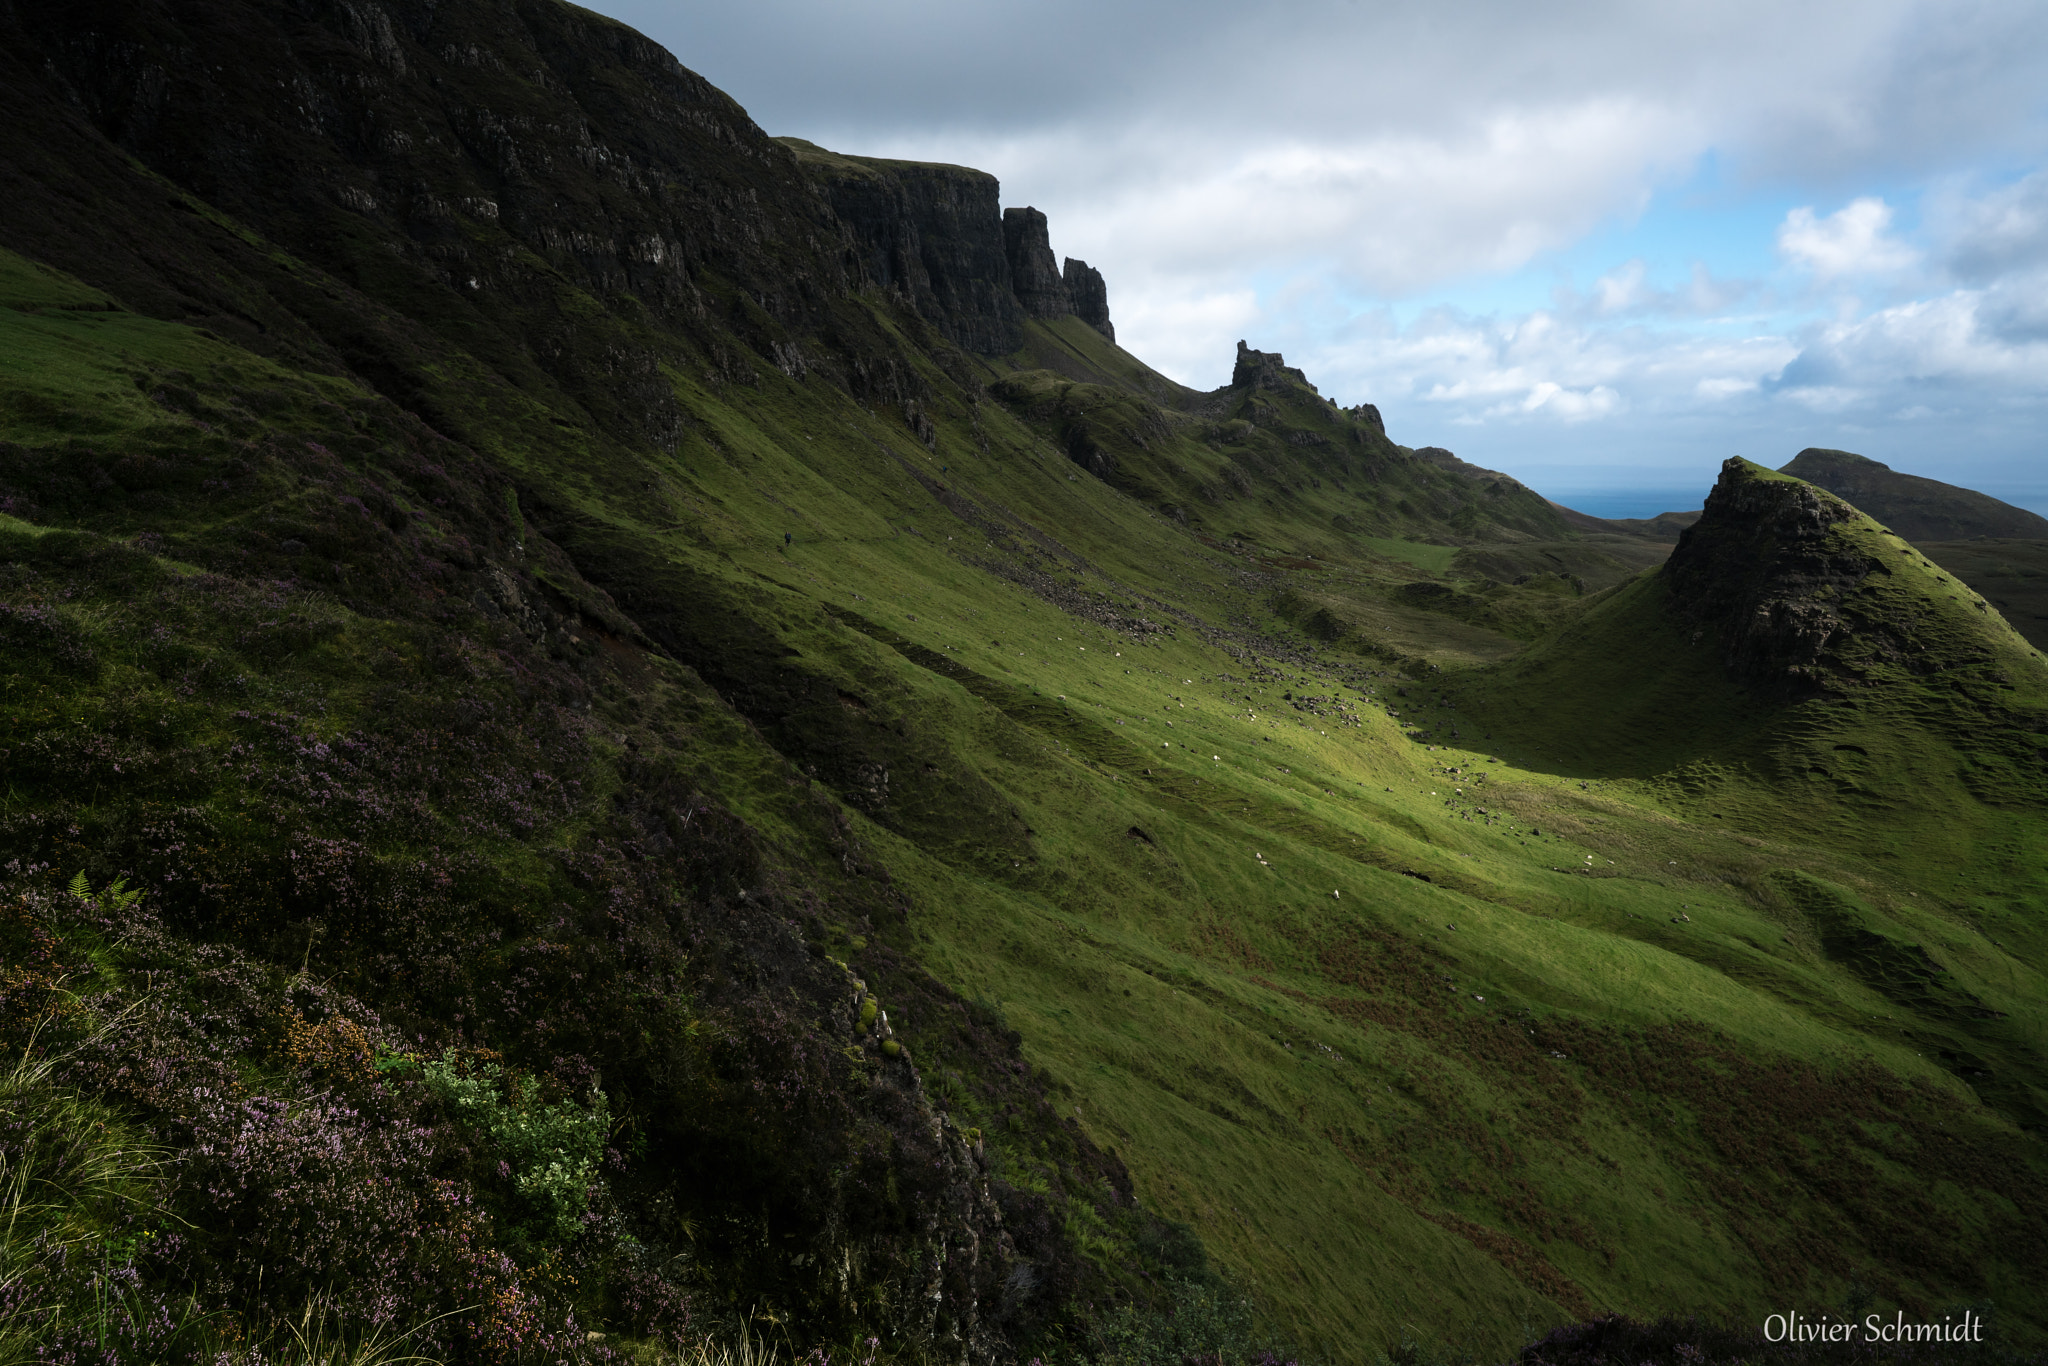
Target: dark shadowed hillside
<point>617,731</point>
<point>1916,508</point>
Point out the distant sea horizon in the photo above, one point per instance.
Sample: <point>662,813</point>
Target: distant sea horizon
<point>1615,504</point>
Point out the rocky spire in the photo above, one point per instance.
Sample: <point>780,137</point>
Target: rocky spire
<point>1089,296</point>
<point>1033,274</point>
<point>1265,370</point>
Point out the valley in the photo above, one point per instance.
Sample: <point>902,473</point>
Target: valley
<point>1008,846</point>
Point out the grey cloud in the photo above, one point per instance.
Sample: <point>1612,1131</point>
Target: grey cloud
<point>2015,309</point>
<point>1801,86</point>
<point>1992,233</point>
<point>1401,143</point>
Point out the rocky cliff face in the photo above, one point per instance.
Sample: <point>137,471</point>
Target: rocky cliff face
<point>931,233</point>
<point>936,236</point>
<point>1765,572</point>
<point>1033,273</point>
<point>1089,296</point>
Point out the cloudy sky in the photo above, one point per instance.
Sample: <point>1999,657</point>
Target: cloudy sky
<point>1599,245</point>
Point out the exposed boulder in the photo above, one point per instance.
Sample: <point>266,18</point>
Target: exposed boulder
<point>1089,296</point>
<point>1034,275</point>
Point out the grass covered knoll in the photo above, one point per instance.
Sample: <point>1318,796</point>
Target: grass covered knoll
<point>994,909</point>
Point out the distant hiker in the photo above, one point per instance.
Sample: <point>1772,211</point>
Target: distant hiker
<point>787,538</point>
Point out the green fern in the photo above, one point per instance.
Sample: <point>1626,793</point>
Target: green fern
<point>115,896</point>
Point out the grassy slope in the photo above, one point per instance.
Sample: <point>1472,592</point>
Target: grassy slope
<point>1220,924</point>
<point>1229,938</point>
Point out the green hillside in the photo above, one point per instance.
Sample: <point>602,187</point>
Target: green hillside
<point>670,794</point>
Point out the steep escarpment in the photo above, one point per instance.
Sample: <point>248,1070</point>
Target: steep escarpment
<point>489,178</point>
<point>932,233</point>
<point>936,235</point>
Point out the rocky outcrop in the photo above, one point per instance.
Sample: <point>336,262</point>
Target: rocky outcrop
<point>931,234</point>
<point>1766,574</point>
<point>1089,296</point>
<point>936,237</point>
<point>1916,508</point>
<point>1033,274</point>
<point>1266,370</point>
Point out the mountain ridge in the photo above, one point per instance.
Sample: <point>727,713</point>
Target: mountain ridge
<point>1923,509</point>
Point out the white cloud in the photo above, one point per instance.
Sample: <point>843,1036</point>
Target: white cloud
<point>1626,290</point>
<point>1541,369</point>
<point>1391,212</point>
<point>1572,405</point>
<point>1853,240</point>
<point>1939,341</point>
<point>1173,327</point>
<point>1825,398</point>
<point>1621,290</point>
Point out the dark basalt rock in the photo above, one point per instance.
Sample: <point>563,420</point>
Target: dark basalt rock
<point>932,234</point>
<point>1764,571</point>
<point>1033,273</point>
<point>1265,370</point>
<point>1090,296</point>
<point>935,236</point>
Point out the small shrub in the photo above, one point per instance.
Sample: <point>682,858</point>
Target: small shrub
<point>549,1153</point>
<point>1205,1323</point>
